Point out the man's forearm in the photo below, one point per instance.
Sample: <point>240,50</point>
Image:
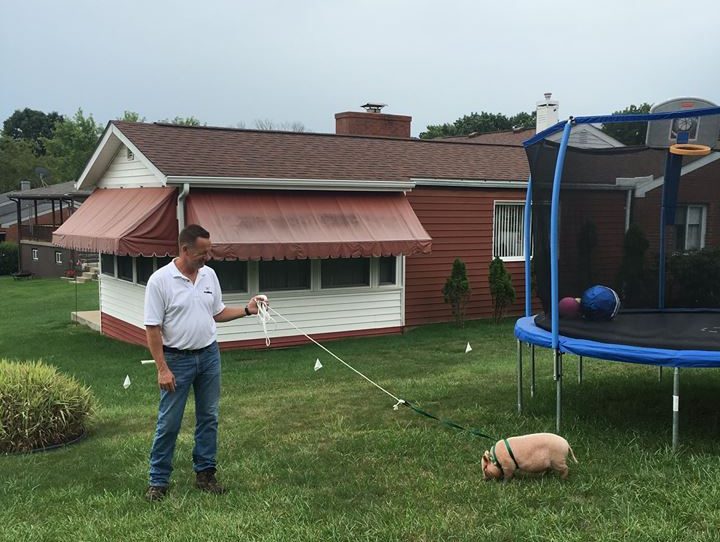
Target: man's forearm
<point>230,313</point>
<point>155,345</point>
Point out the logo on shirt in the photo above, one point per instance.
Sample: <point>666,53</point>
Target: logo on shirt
<point>207,290</point>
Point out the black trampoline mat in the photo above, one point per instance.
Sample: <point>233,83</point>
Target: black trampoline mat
<point>693,330</point>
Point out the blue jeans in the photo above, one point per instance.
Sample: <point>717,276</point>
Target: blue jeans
<point>201,372</point>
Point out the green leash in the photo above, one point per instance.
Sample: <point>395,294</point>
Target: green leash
<point>447,423</point>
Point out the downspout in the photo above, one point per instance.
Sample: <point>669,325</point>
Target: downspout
<point>19,232</point>
<point>628,204</point>
<point>181,206</point>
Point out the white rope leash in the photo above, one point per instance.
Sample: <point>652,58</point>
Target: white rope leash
<point>264,317</point>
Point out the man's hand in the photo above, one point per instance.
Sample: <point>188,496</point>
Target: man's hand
<point>253,303</point>
<point>166,380</point>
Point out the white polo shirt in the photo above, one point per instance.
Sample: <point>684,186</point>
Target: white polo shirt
<point>183,310</point>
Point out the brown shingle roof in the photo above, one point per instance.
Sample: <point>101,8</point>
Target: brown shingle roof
<point>508,137</point>
<point>227,152</point>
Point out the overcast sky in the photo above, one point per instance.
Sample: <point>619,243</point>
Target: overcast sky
<point>226,62</point>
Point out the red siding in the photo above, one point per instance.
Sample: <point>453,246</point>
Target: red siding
<point>460,222</point>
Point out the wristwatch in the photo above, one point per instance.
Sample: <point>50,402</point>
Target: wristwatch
<point>247,311</point>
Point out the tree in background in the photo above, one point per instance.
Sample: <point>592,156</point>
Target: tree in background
<point>457,291</point>
<point>183,121</point>
<point>633,280</point>
<point>629,133</point>
<point>267,124</point>
<point>31,125</point>
<point>480,123</point>
<point>501,288</point>
<point>17,162</point>
<point>131,116</point>
<point>71,146</point>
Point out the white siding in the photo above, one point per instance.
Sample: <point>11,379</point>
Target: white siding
<point>124,172</point>
<point>318,312</point>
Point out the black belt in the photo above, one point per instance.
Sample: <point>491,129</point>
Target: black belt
<point>187,352</point>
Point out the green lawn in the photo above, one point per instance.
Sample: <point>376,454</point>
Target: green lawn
<point>314,456</point>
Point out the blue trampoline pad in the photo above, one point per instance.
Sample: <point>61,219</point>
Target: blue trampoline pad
<point>677,329</point>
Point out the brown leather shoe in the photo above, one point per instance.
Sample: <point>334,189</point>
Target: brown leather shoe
<point>206,481</point>
<point>156,493</point>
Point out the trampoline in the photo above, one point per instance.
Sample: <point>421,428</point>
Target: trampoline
<point>637,218</point>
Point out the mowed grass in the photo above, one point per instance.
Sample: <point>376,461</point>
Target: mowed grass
<point>314,456</point>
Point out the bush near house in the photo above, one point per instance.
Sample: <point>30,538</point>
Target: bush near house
<point>501,288</point>
<point>40,407</point>
<point>457,291</point>
<point>8,258</point>
<point>693,279</point>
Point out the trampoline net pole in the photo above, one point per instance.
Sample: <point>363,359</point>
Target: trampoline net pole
<point>532,371</point>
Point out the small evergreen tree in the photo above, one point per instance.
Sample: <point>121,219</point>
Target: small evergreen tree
<point>633,279</point>
<point>586,242</point>
<point>457,291</point>
<point>501,288</point>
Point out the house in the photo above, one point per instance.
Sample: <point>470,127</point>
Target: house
<point>352,233</point>
<point>30,215</point>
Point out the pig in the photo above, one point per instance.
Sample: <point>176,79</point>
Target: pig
<point>539,452</point>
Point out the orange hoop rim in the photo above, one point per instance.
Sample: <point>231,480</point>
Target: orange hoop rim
<point>688,149</point>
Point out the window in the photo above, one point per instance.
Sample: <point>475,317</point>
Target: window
<point>508,230</point>
<point>144,267</point>
<point>232,275</point>
<point>386,270</point>
<point>35,254</point>
<point>345,272</point>
<point>125,268</point>
<point>3,236</point>
<point>284,275</point>
<point>107,264</point>
<point>58,257</point>
<point>690,227</point>
<point>163,261</point>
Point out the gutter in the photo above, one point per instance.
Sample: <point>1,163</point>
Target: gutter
<point>256,183</point>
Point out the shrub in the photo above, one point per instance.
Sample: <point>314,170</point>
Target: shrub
<point>457,291</point>
<point>586,242</point>
<point>634,280</point>
<point>693,279</point>
<point>8,258</point>
<point>501,288</point>
<point>40,407</point>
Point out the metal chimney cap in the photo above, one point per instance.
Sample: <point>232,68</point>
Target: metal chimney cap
<point>548,95</point>
<point>373,107</point>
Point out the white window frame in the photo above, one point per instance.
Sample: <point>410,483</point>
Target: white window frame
<point>58,257</point>
<point>510,221</point>
<point>703,223</point>
<point>35,255</point>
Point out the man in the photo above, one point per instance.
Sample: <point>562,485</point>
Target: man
<point>183,302</point>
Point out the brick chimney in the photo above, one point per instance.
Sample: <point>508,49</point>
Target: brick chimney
<point>372,122</point>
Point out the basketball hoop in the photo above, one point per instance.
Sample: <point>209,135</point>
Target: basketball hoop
<point>688,149</point>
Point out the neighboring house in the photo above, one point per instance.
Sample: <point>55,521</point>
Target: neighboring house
<point>41,211</point>
<point>335,228</point>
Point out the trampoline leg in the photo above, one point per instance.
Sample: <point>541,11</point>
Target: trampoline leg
<point>532,371</point>
<point>580,370</point>
<point>660,374</point>
<point>557,358</point>
<point>676,408</point>
<point>519,378</point>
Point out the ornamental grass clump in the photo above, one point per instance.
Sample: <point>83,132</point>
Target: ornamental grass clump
<point>40,407</point>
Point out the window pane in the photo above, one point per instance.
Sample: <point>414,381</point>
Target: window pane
<point>58,257</point>
<point>163,261</point>
<point>679,236</point>
<point>284,275</point>
<point>232,275</point>
<point>345,272</point>
<point>694,215</point>
<point>387,270</point>
<point>508,230</point>
<point>107,262</point>
<point>144,269</point>
<point>125,267</point>
<point>693,237</point>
